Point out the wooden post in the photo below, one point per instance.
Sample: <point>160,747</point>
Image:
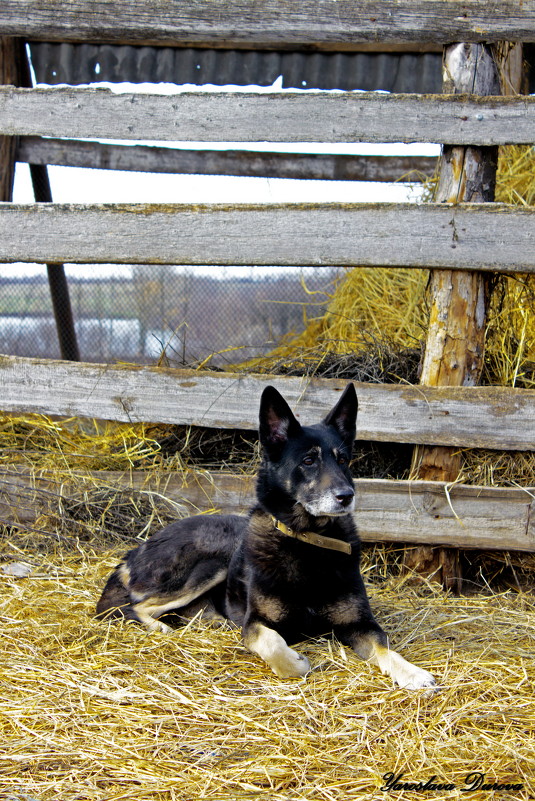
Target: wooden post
<point>14,71</point>
<point>57,280</point>
<point>9,75</point>
<point>458,300</point>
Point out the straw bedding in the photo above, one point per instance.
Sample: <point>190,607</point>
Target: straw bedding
<point>102,711</point>
<point>106,711</point>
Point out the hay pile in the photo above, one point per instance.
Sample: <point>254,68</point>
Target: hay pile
<point>106,712</point>
<point>510,346</point>
<point>375,315</point>
<point>371,329</point>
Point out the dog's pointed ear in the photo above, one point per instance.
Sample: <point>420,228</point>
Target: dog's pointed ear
<point>277,421</point>
<point>344,415</point>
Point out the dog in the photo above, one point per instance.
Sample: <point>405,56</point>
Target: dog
<point>287,571</point>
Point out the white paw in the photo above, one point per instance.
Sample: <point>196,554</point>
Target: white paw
<point>417,679</point>
<point>290,665</point>
<point>271,647</point>
<point>157,625</point>
<point>404,673</point>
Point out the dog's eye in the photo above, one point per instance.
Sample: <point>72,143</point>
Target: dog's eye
<point>342,459</point>
<point>310,459</point>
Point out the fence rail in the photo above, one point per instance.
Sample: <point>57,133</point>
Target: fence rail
<point>421,512</point>
<point>271,23</point>
<point>274,117</point>
<point>478,417</point>
<point>247,163</point>
<point>479,236</point>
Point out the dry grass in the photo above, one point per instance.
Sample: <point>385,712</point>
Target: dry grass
<point>516,175</point>
<point>107,712</point>
<point>75,443</point>
<point>510,341</point>
<point>489,468</point>
<point>371,325</point>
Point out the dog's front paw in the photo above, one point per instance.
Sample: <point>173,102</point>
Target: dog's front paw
<point>404,673</point>
<point>157,625</point>
<point>417,679</point>
<point>272,648</point>
<point>290,665</point>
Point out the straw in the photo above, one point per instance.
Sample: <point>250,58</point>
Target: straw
<point>108,712</point>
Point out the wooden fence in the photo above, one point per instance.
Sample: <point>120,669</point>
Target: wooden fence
<point>457,236</point>
<point>271,23</point>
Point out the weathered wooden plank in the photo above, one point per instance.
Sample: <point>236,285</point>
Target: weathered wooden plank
<point>247,163</point>
<point>455,346</point>
<point>275,23</point>
<point>479,417</point>
<point>272,117</point>
<point>531,517</point>
<point>435,513</point>
<point>425,512</point>
<point>481,236</point>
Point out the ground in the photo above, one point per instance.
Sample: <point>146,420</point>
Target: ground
<point>107,712</point>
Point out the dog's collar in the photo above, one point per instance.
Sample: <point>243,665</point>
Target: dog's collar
<point>313,539</point>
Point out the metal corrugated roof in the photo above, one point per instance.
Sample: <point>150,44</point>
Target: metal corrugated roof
<point>85,63</point>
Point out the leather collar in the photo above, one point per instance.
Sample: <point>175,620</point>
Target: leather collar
<point>313,539</point>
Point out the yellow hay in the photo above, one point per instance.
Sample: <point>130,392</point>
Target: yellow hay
<point>74,443</point>
<point>390,304</point>
<point>510,342</point>
<point>104,712</point>
<point>516,175</point>
<point>365,303</point>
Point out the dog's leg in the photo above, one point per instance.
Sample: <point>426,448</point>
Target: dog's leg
<point>203,608</point>
<point>373,647</point>
<point>115,601</point>
<point>147,613</point>
<point>149,608</point>
<point>272,648</point>
<point>120,600</point>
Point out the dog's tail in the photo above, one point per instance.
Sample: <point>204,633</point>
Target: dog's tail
<point>115,601</point>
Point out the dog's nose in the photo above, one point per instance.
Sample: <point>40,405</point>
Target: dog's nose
<point>345,496</point>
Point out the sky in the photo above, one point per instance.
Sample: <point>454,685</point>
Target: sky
<point>77,185</point>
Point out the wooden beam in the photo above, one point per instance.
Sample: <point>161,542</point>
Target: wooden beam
<point>455,344</point>
<point>437,513</point>
<point>275,23</point>
<point>427,512</point>
<point>479,417</point>
<point>456,338</point>
<point>267,117</point>
<point>142,158</point>
<point>9,74</point>
<point>489,237</point>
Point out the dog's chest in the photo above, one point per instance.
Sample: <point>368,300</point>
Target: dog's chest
<point>306,565</point>
<point>304,621</point>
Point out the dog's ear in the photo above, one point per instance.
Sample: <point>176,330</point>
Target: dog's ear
<point>277,421</point>
<point>344,415</point>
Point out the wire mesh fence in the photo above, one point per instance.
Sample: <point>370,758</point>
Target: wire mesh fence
<point>150,313</point>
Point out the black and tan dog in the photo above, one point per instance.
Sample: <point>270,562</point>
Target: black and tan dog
<point>287,571</point>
